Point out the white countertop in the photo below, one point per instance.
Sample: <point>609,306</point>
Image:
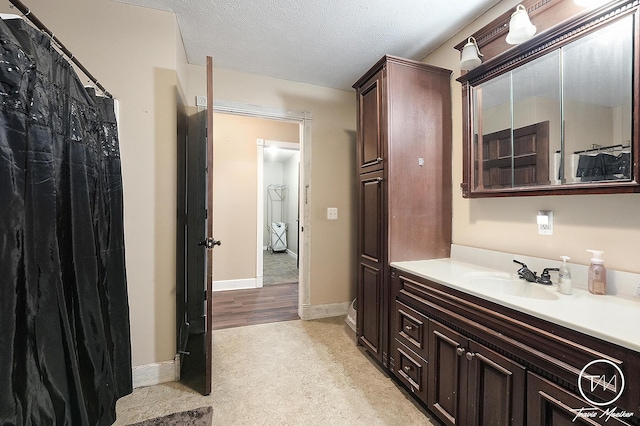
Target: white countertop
<point>613,319</point>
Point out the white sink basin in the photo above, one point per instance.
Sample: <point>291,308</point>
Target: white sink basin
<point>489,274</point>
<point>513,287</point>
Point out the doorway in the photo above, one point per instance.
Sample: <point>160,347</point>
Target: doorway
<point>303,122</point>
<point>278,212</point>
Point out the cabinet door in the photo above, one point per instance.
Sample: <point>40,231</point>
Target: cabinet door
<point>372,315</point>
<point>371,218</point>
<point>371,124</point>
<point>446,394</point>
<point>550,405</point>
<point>370,309</point>
<point>496,388</point>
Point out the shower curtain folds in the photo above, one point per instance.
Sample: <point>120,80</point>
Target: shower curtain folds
<point>65,354</point>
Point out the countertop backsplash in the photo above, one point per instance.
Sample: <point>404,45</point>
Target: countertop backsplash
<point>619,283</point>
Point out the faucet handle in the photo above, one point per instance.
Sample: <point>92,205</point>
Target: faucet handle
<point>520,263</point>
<point>545,278</point>
<point>525,273</point>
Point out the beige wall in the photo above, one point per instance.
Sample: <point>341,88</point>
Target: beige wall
<point>235,183</point>
<point>604,222</point>
<point>137,54</point>
<point>332,252</point>
<point>133,52</point>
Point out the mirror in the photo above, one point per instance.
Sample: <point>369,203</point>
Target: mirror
<point>563,120</point>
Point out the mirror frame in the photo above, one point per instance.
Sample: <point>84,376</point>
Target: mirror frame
<point>560,22</point>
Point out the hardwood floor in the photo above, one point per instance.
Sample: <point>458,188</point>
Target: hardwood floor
<point>237,308</point>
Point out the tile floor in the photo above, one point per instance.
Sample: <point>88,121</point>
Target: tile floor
<point>287,373</point>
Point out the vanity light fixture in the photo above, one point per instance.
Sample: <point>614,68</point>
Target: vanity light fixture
<point>590,3</point>
<point>520,27</point>
<point>470,57</point>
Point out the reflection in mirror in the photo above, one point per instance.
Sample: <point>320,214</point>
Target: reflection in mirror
<point>492,150</point>
<point>565,117</point>
<point>536,99</point>
<point>597,85</point>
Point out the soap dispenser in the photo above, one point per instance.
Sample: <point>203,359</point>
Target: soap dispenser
<point>597,273</point>
<point>564,281</point>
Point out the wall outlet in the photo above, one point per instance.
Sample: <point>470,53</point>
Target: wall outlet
<point>545,222</point>
<point>332,213</point>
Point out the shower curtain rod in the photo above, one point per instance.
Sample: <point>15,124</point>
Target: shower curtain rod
<point>27,13</point>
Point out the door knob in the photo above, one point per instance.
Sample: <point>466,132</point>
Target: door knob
<point>209,243</point>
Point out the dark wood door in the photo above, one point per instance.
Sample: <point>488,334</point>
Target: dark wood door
<point>446,394</point>
<point>194,254</point>
<point>504,164</point>
<point>370,124</point>
<point>496,388</point>
<point>210,241</point>
<point>550,405</point>
<point>371,316</point>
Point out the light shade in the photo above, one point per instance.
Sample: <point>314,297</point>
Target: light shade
<point>590,3</point>
<point>470,57</point>
<point>520,27</point>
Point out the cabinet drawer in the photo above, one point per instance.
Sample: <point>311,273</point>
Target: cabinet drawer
<point>411,369</point>
<point>411,329</point>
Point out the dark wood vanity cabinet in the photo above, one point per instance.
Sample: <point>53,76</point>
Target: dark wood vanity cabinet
<point>371,270</point>
<point>550,405</point>
<point>474,362</point>
<point>472,385</point>
<point>404,171</point>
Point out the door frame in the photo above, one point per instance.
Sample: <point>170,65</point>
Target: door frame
<point>262,144</point>
<point>305,120</point>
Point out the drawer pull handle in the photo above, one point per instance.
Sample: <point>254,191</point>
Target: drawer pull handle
<point>408,327</point>
<point>460,351</point>
<point>407,368</point>
<point>470,355</point>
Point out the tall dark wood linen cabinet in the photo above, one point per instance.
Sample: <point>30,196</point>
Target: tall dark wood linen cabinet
<point>404,168</point>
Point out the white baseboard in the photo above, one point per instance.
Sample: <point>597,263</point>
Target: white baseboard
<point>169,371</point>
<point>236,284</point>
<point>156,373</point>
<point>311,312</point>
<point>292,254</point>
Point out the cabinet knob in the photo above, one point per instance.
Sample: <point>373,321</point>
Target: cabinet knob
<point>460,351</point>
<point>470,355</point>
<point>379,160</point>
<point>407,368</point>
<point>408,327</point>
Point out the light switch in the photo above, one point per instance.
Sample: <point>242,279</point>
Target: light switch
<point>201,101</point>
<point>332,213</point>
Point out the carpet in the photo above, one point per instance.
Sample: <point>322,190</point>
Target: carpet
<point>198,417</point>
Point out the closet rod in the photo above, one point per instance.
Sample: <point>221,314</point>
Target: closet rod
<point>27,13</point>
<point>602,148</point>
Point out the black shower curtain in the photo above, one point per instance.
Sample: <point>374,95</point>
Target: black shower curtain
<point>65,354</point>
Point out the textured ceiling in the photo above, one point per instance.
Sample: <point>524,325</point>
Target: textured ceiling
<point>326,43</point>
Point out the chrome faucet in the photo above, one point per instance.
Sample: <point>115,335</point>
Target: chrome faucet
<point>525,273</point>
<point>545,278</point>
